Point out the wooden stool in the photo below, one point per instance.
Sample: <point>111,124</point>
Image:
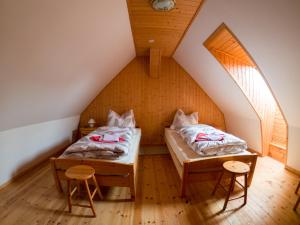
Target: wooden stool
<point>298,201</point>
<point>235,168</point>
<point>82,173</point>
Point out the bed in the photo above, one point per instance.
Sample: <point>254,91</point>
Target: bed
<point>118,172</point>
<point>192,167</point>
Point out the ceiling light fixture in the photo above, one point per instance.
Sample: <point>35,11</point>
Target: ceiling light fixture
<point>163,5</point>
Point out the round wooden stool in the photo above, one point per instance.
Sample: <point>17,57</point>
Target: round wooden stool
<point>235,168</point>
<point>82,173</point>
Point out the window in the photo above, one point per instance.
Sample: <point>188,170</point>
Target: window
<point>226,48</point>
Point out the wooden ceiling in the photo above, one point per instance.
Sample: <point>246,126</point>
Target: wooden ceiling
<point>165,28</point>
<point>224,41</point>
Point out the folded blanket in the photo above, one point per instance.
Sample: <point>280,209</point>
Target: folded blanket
<point>206,140</point>
<point>106,138</point>
<point>112,137</point>
<point>102,143</point>
<point>209,137</point>
<point>94,155</point>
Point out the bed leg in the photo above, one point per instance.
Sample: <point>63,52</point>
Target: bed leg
<point>132,185</point>
<point>252,168</point>
<point>56,179</point>
<point>182,189</point>
<point>184,181</point>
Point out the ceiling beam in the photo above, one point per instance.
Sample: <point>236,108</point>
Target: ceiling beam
<point>155,62</point>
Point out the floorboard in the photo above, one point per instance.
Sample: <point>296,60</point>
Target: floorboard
<point>33,199</point>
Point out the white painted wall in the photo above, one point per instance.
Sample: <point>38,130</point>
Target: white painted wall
<point>240,117</point>
<point>245,128</point>
<point>23,147</point>
<point>55,56</point>
<point>270,31</point>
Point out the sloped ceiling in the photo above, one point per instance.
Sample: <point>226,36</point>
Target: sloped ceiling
<point>270,31</point>
<point>55,56</point>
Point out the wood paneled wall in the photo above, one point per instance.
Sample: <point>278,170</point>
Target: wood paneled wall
<point>238,63</point>
<point>223,40</point>
<point>262,101</point>
<point>154,101</point>
<point>279,136</point>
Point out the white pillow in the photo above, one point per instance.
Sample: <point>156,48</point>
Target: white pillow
<point>125,120</point>
<point>180,119</point>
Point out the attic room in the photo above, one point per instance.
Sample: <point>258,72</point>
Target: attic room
<point>150,112</point>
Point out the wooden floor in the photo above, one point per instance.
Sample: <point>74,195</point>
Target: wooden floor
<point>33,199</point>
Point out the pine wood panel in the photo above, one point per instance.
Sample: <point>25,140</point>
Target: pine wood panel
<point>234,58</point>
<point>154,101</point>
<point>32,199</point>
<point>278,145</point>
<point>223,40</point>
<point>279,136</point>
<point>166,28</point>
<point>261,100</point>
<point>278,153</point>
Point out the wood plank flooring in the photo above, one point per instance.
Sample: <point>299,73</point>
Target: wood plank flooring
<point>33,199</point>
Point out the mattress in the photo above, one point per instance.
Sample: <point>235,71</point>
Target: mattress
<point>126,158</point>
<point>183,152</point>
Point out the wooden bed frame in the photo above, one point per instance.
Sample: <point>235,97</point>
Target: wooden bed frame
<point>108,173</point>
<point>207,169</point>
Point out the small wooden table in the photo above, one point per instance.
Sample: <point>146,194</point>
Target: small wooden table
<point>235,168</point>
<point>82,173</point>
<point>83,131</point>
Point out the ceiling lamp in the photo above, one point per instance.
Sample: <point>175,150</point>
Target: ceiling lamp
<point>163,5</point>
